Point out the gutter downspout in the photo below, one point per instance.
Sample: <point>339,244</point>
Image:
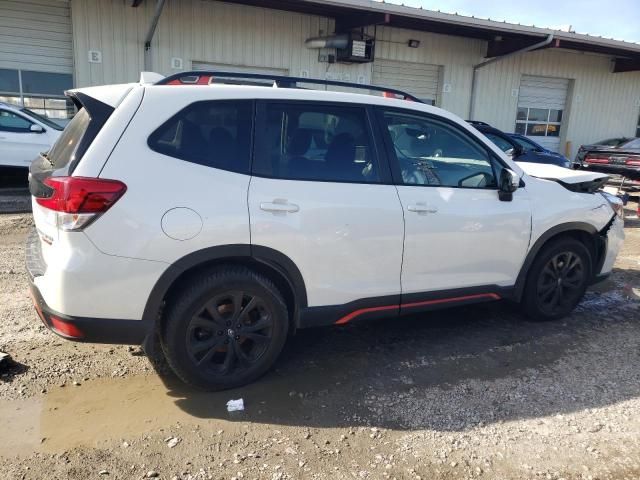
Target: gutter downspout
<point>477,67</point>
<point>149,37</point>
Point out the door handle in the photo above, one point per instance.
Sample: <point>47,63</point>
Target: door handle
<point>279,206</point>
<point>422,208</point>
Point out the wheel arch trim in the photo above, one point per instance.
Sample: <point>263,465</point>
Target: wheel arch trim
<point>244,252</point>
<point>541,242</point>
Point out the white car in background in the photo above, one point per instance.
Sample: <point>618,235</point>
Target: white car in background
<point>24,135</point>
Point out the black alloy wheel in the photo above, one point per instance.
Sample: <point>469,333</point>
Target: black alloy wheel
<point>561,282</point>
<point>230,332</point>
<point>224,328</point>
<point>557,279</point>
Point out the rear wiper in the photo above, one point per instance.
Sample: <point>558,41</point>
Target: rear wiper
<point>45,155</point>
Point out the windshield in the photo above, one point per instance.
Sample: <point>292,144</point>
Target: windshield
<point>64,150</point>
<point>42,119</point>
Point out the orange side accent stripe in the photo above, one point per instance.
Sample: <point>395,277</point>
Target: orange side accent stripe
<point>356,313</point>
<point>493,296</point>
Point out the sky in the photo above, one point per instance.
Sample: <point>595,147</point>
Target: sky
<point>619,19</point>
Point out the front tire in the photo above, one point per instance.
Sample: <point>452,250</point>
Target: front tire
<point>557,280</point>
<point>225,329</point>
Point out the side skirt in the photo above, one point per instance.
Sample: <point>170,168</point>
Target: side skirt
<point>395,305</point>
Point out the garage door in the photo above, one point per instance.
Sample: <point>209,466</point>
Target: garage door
<point>419,79</point>
<point>238,68</point>
<point>541,104</point>
<point>36,56</point>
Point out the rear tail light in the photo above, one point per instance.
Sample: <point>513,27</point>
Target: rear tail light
<point>78,201</point>
<point>596,159</point>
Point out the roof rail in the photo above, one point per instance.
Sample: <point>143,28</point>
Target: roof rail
<point>206,77</point>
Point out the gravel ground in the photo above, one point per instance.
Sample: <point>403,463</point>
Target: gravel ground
<point>474,392</point>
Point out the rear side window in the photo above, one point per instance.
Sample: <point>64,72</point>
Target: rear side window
<point>318,142</point>
<point>212,133</point>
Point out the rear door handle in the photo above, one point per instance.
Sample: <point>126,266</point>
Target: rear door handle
<point>422,208</point>
<point>279,206</point>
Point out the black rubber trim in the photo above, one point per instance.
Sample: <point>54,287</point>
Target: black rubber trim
<point>243,252</point>
<point>542,240</point>
<point>330,314</point>
<point>394,305</point>
<point>94,330</point>
<point>36,266</point>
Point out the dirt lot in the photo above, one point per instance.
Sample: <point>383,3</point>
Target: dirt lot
<point>467,393</point>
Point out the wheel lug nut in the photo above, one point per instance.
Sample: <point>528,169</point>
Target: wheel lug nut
<point>238,326</point>
<point>220,332</point>
<point>228,324</point>
<point>237,337</point>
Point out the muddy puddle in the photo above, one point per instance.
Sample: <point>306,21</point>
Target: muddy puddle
<point>102,411</point>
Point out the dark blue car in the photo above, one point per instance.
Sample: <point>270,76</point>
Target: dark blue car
<point>521,148</point>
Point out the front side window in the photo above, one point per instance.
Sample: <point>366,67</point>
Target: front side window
<point>10,122</point>
<point>638,128</point>
<point>212,133</point>
<point>538,122</point>
<point>431,152</point>
<point>313,141</point>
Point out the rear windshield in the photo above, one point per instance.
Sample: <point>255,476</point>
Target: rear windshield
<point>64,150</point>
<point>613,142</point>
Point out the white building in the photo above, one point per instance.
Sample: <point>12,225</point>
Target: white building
<point>562,88</point>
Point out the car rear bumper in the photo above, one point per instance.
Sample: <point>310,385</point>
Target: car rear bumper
<point>626,171</point>
<point>72,301</point>
<point>92,330</point>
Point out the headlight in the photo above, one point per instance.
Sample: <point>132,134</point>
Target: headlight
<point>616,203</point>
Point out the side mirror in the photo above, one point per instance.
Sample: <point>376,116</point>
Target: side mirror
<point>508,183</point>
<point>36,128</point>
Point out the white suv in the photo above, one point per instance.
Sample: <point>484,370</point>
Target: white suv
<point>222,218</point>
<point>23,135</point>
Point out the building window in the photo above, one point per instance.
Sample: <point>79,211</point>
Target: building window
<point>42,92</point>
<point>538,122</point>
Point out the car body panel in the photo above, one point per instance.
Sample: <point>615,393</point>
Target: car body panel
<point>18,148</point>
<point>346,239</point>
<point>455,245</point>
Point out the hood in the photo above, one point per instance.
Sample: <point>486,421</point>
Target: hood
<point>574,180</point>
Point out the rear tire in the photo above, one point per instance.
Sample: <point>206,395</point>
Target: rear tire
<point>557,280</point>
<point>225,329</point>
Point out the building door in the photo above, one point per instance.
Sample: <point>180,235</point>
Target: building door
<point>541,104</point>
<point>419,79</point>
<point>36,56</point>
